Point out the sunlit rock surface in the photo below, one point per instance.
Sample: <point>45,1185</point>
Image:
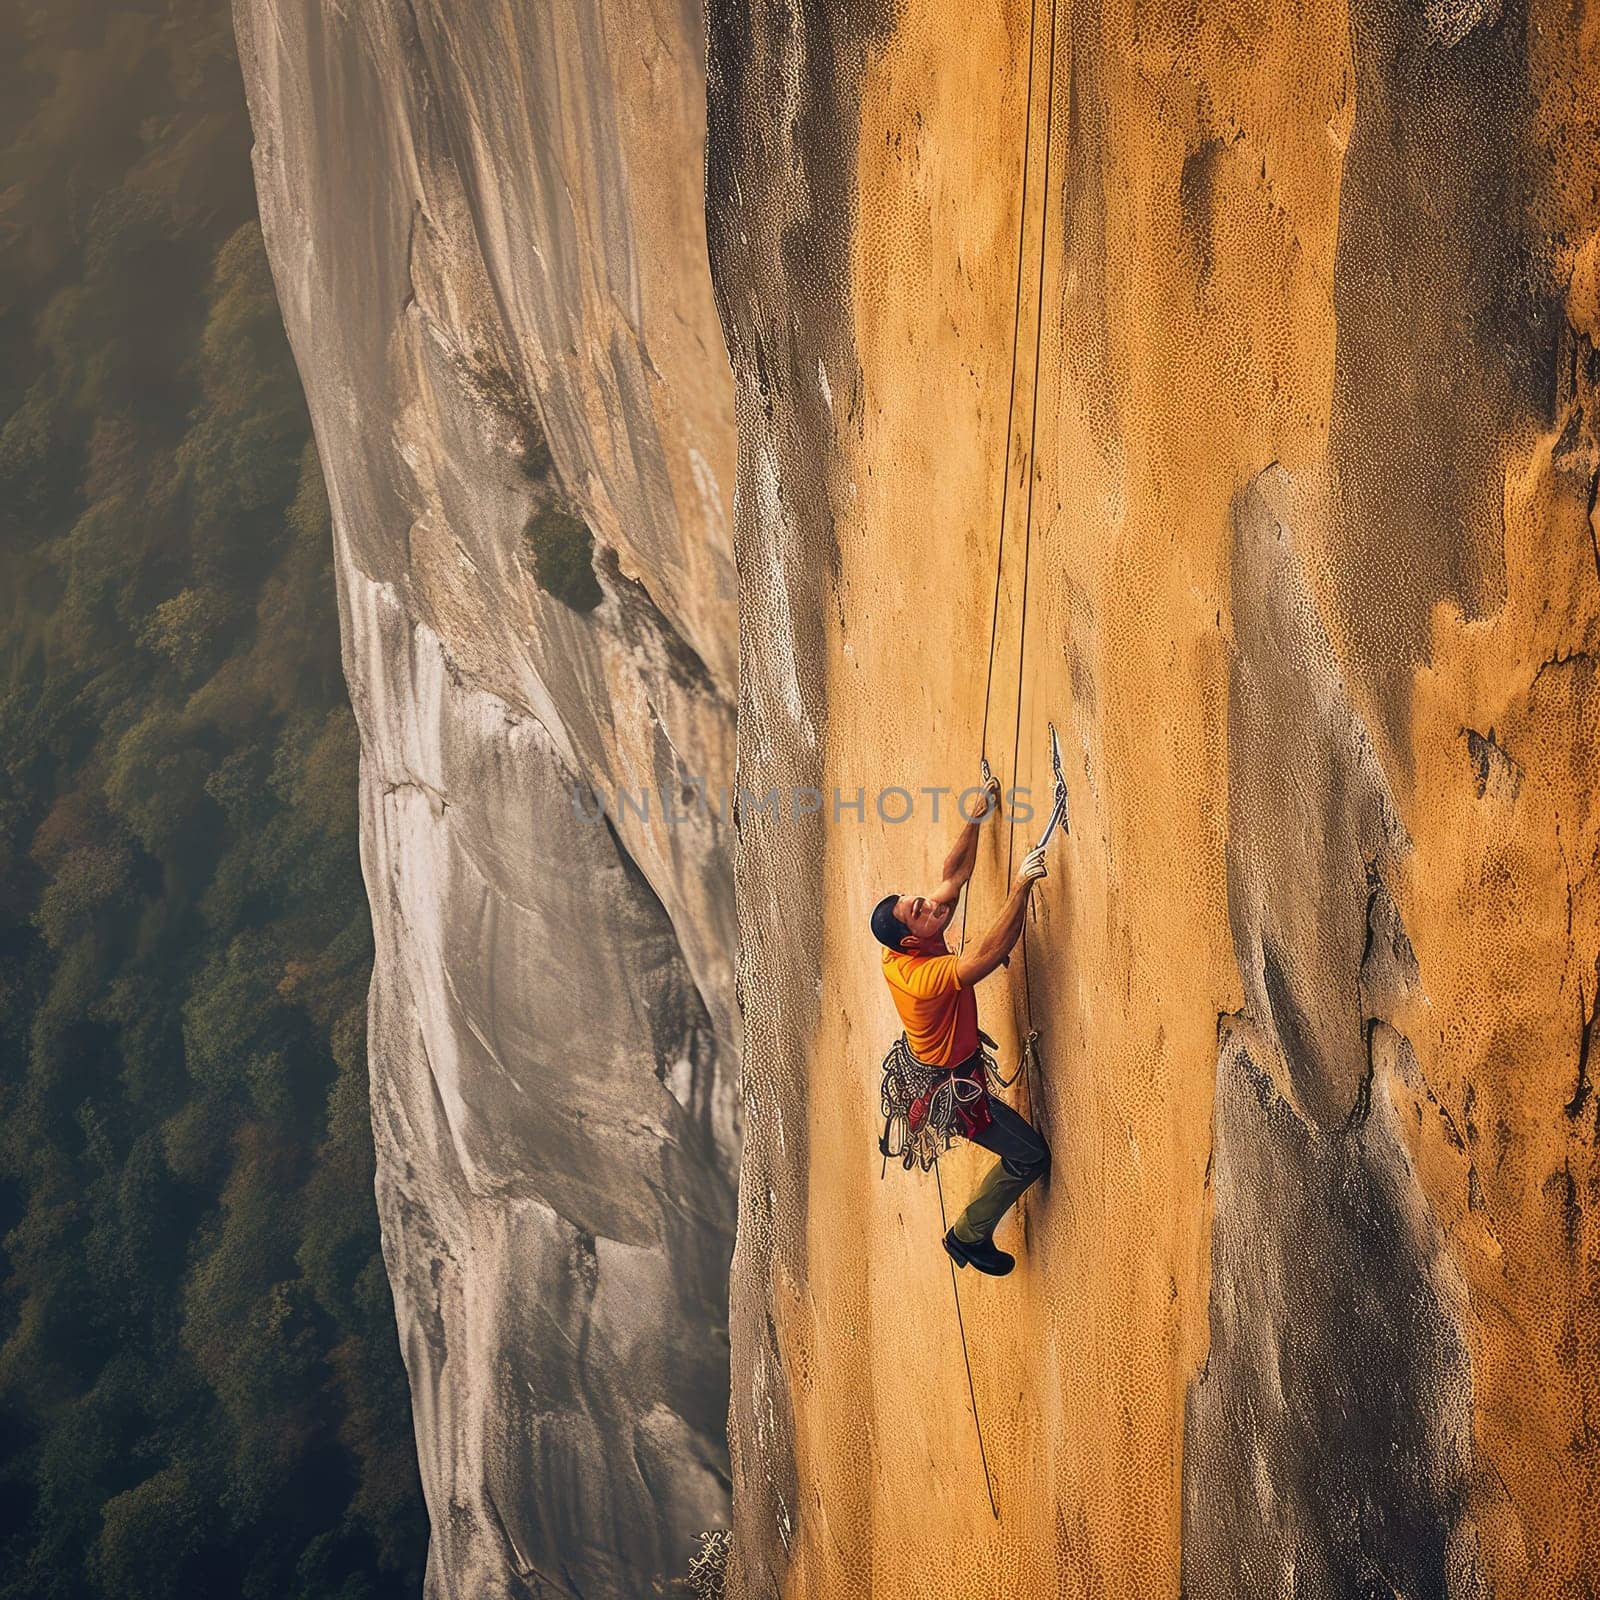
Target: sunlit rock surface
<point>1311,1303</point>
<point>486,227</point>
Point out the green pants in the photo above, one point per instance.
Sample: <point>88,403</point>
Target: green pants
<point>1024,1159</point>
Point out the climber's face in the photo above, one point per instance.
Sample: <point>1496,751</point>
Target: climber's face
<point>927,919</point>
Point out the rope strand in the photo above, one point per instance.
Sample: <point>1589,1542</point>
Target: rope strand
<point>983,1455</point>
<point>1011,398</point>
<point>1027,537</point>
<point>1033,440</point>
<point>994,619</point>
<point>1011,407</point>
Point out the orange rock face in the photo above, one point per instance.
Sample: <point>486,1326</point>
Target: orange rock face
<point>1300,556</point>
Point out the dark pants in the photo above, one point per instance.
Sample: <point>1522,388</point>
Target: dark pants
<point>1024,1158</point>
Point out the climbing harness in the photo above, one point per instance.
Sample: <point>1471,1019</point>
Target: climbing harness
<point>909,1083</point>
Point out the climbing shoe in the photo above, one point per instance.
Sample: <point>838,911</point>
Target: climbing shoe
<point>981,1255</point>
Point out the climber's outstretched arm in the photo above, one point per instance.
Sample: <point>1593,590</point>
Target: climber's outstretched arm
<point>987,953</point>
<point>963,855</point>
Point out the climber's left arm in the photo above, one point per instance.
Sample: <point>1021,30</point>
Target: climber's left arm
<point>963,855</point>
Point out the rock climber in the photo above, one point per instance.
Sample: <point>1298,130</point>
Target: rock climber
<point>933,992</point>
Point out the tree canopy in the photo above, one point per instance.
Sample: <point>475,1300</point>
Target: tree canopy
<point>200,1383</point>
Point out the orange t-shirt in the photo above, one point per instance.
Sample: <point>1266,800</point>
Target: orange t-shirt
<point>940,1017</point>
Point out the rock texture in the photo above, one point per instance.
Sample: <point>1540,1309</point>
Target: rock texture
<point>487,232</point>
<point>1311,1303</point>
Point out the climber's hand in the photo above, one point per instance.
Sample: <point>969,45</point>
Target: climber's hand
<point>991,799</point>
<point>1033,868</point>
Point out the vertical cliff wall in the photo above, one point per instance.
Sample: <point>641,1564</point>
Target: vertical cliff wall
<point>486,229</point>
<point>1309,1304</point>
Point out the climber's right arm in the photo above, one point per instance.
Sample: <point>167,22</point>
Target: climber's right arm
<point>988,952</point>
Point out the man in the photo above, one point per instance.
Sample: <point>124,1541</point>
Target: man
<point>933,992</point>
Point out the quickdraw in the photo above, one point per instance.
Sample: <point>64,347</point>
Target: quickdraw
<point>1058,808</point>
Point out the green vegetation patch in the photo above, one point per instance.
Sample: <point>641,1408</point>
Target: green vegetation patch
<point>562,549</point>
<point>497,388</point>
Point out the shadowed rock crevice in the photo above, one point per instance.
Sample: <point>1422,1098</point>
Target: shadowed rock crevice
<point>1446,349</point>
<point>1328,1446</point>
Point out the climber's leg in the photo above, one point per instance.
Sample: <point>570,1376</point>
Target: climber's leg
<point>1024,1159</point>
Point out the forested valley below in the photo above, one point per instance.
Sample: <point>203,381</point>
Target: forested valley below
<point>201,1391</point>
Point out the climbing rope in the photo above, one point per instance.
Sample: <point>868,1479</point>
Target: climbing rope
<point>1033,442</point>
<point>1027,544</point>
<point>1033,434</point>
<point>983,1454</point>
<point>1027,547</point>
<point>1011,401</point>
<point>1027,537</point>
